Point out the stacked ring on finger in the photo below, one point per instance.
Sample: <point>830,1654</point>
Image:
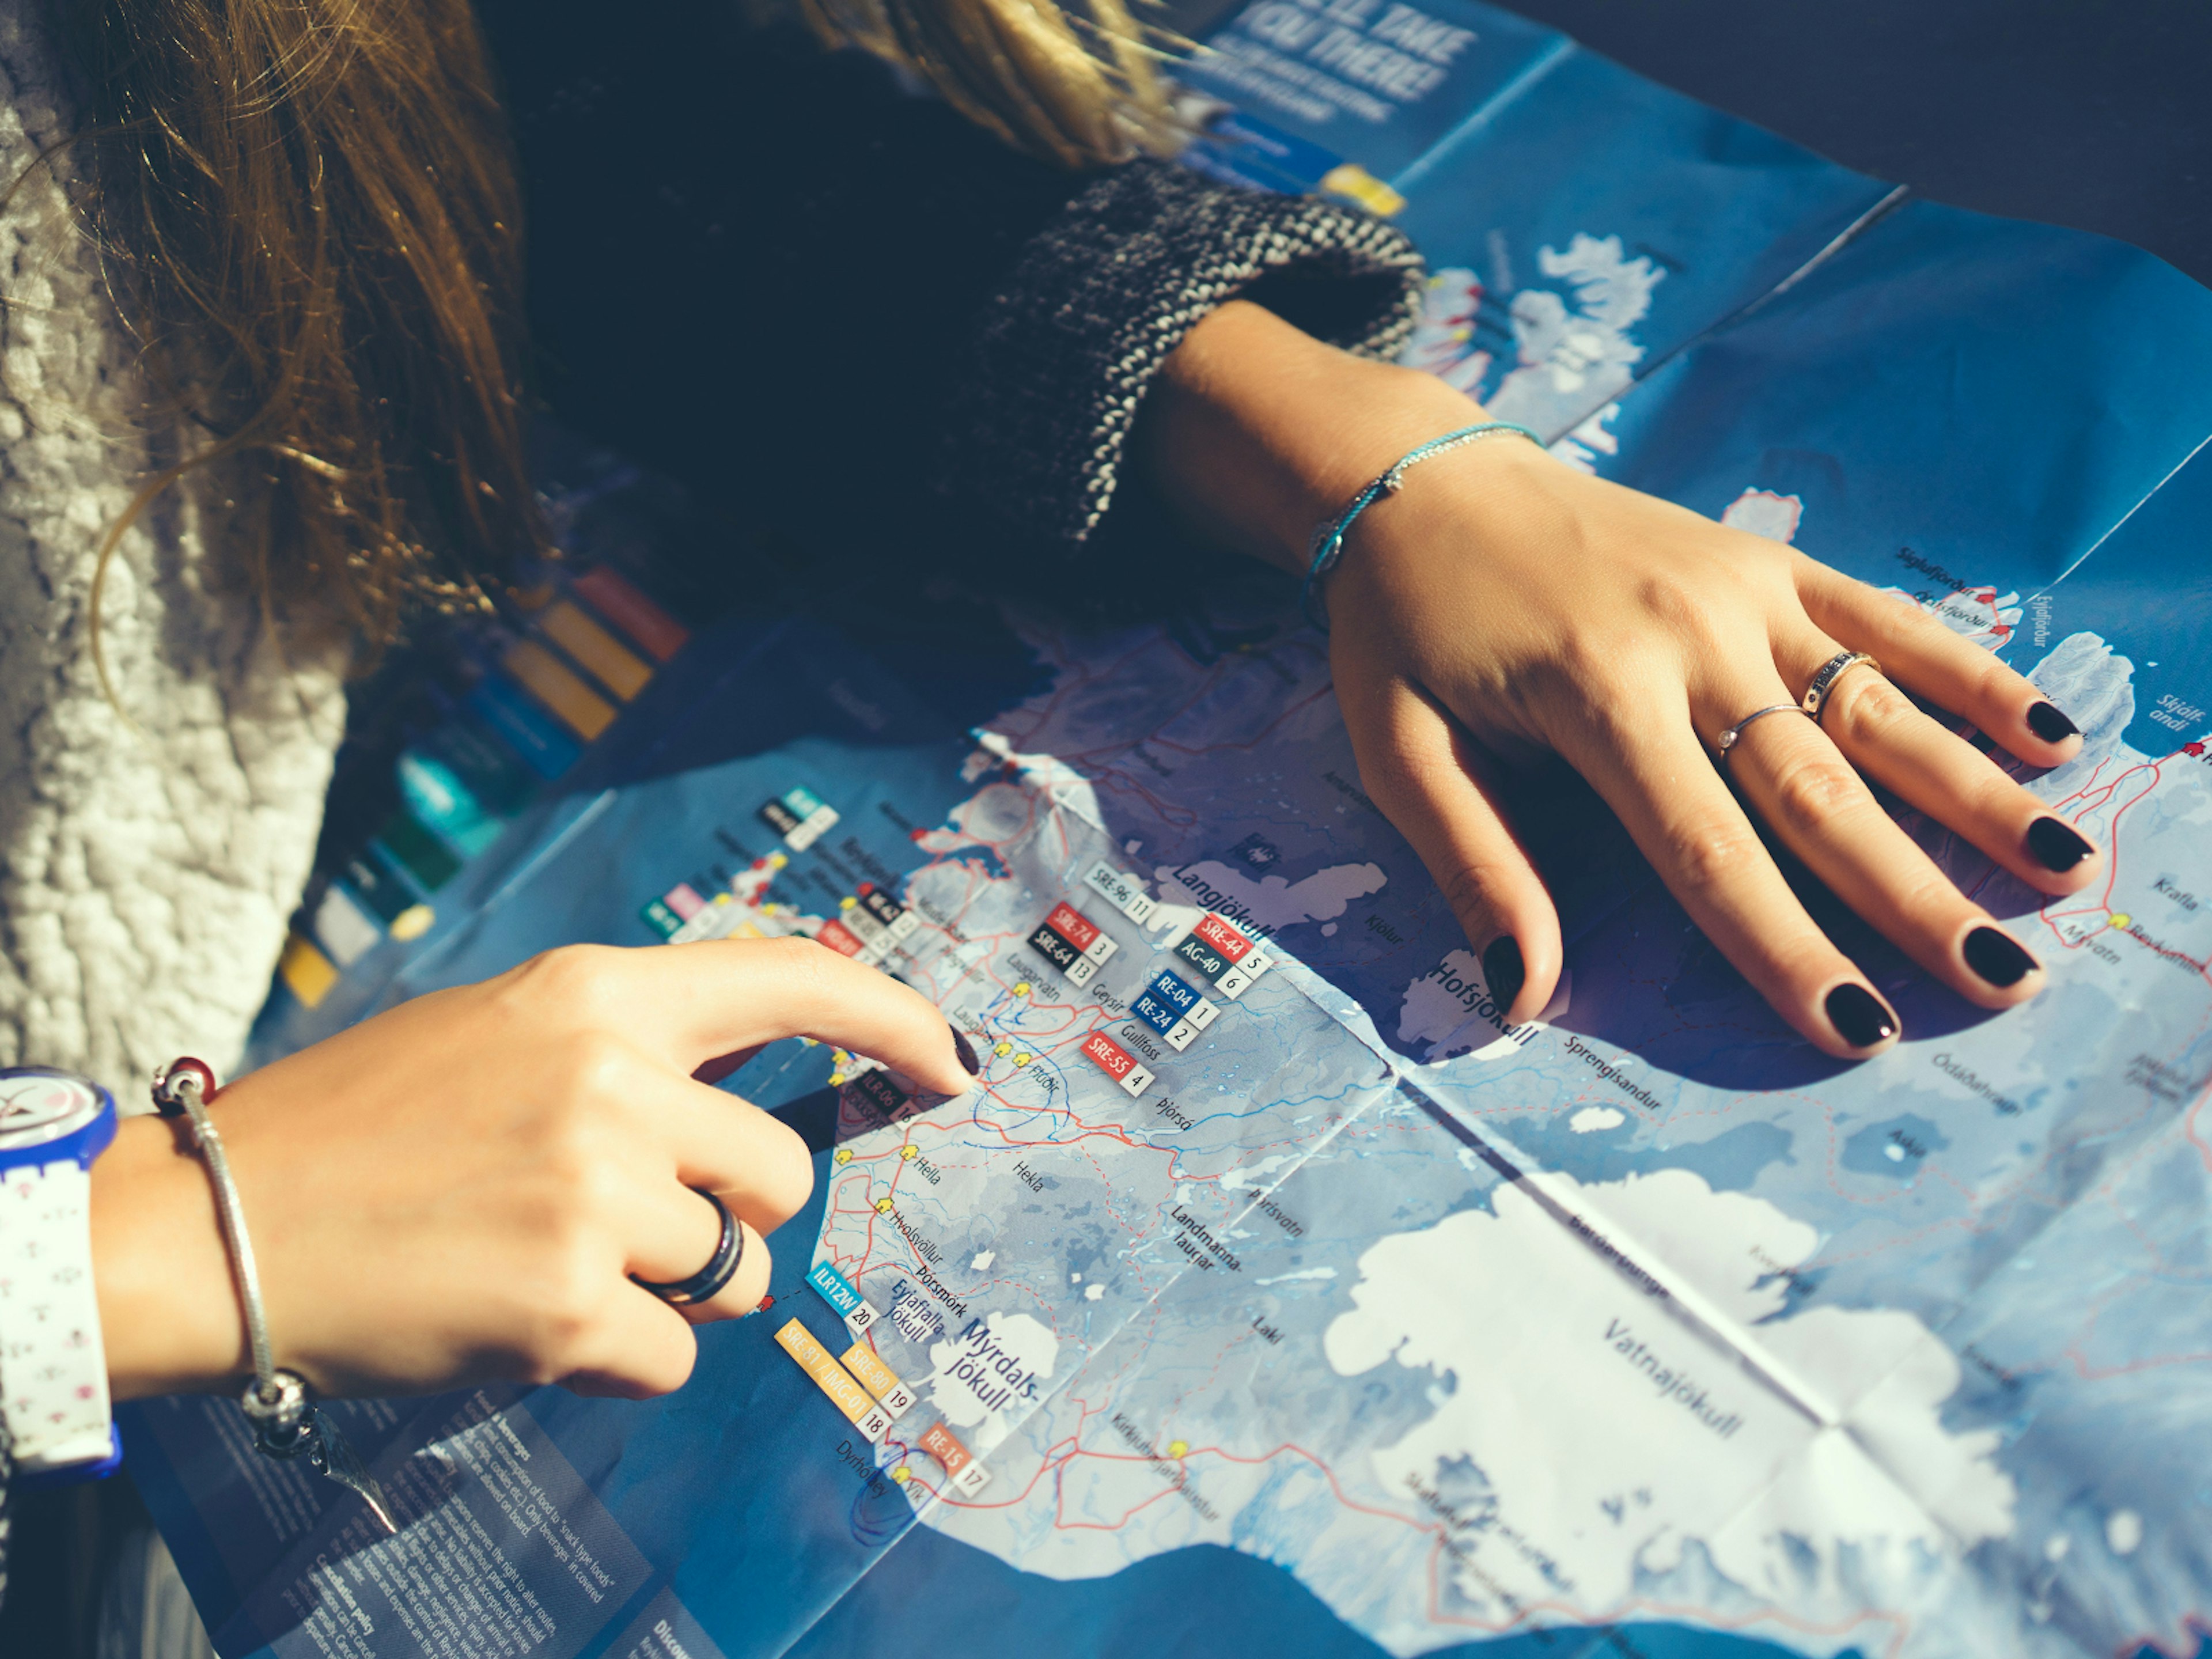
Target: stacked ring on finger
<point>1729,738</point>
<point>1824,682</point>
<point>711,1280</point>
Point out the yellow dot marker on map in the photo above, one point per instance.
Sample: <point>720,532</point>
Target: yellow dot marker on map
<point>1022,988</point>
<point>836,1078</point>
<point>1023,1059</point>
<point>2121,918</point>
<point>1177,1447</point>
<point>908,1151</point>
<point>842,1155</point>
<point>883,1207</point>
<point>777,860</point>
<point>902,1474</point>
<point>847,902</point>
<point>1002,1049</point>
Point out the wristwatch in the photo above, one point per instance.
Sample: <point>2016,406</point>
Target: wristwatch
<point>53,1368</point>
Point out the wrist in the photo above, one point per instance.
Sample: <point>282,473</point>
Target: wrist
<point>168,1309</point>
<point>1258,431</point>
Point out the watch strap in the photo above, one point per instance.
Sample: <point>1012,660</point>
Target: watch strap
<point>53,1367</point>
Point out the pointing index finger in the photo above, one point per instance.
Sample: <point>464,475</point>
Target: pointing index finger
<point>692,1003</point>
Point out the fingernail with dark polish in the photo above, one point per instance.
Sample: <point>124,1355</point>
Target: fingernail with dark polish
<point>1503,971</point>
<point>1997,957</point>
<point>1859,1017</point>
<point>2054,844</point>
<point>2044,719</point>
<point>966,1050</point>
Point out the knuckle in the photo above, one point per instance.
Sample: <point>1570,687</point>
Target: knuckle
<point>1471,890</point>
<point>1811,795</point>
<point>562,1318</point>
<point>1871,711</point>
<point>1710,855</point>
<point>600,1069</point>
<point>801,965</point>
<point>572,980</point>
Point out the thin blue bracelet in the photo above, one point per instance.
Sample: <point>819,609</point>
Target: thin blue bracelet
<point>1328,536</point>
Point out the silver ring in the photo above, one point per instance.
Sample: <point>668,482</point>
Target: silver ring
<point>1728,739</point>
<point>1816,695</point>
<point>721,1267</point>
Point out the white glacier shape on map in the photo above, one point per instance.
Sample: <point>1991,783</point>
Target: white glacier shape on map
<point>1764,513</point>
<point>1576,1495</point>
<point>1271,902</point>
<point>1452,1002</point>
<point>1593,1118</point>
<point>1575,356</point>
<point>991,1367</point>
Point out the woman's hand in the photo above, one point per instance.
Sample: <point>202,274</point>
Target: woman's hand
<point>459,1189</point>
<point>1504,603</point>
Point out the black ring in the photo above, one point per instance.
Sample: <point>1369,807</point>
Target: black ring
<point>721,1267</point>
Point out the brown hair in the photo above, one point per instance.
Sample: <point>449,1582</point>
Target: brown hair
<point>1072,83</point>
<point>310,213</point>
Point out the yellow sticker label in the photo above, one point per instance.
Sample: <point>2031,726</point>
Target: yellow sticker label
<point>878,1378</point>
<point>832,1378</point>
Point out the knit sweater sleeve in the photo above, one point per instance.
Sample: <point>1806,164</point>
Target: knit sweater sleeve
<point>1061,354</point>
<point>851,315</point>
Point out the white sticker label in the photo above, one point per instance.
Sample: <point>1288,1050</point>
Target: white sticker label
<point>1101,949</point>
<point>1136,1081</point>
<point>1180,1036</point>
<point>1123,892</point>
<point>1203,1013</point>
<point>860,1319</point>
<point>971,1479</point>
<point>1080,970</point>
<point>875,1424</point>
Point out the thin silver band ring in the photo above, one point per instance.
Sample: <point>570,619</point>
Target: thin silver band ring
<point>721,1267</point>
<point>1729,739</point>
<point>1824,682</point>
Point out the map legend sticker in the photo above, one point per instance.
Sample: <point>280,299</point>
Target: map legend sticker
<point>879,1092</point>
<point>879,1380</point>
<point>898,922</point>
<point>1079,929</point>
<point>1061,954</point>
<point>837,1290</point>
<point>1109,1057</point>
<point>799,817</point>
<point>1224,936</point>
<point>1183,999</point>
<point>1125,893</point>
<point>966,1474</point>
<point>833,1379</point>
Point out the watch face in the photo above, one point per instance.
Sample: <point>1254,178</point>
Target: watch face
<point>38,1106</point>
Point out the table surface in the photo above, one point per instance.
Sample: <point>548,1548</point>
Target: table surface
<point>2092,113</point>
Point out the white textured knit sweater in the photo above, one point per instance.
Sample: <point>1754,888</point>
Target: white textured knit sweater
<point>146,874</point>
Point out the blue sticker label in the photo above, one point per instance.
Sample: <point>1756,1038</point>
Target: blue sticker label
<point>1155,1013</point>
<point>1173,991</point>
<point>836,1290</point>
<point>803,801</point>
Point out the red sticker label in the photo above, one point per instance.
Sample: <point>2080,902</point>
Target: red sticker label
<point>840,938</point>
<point>1107,1054</point>
<point>1223,938</point>
<point>1069,923</point>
